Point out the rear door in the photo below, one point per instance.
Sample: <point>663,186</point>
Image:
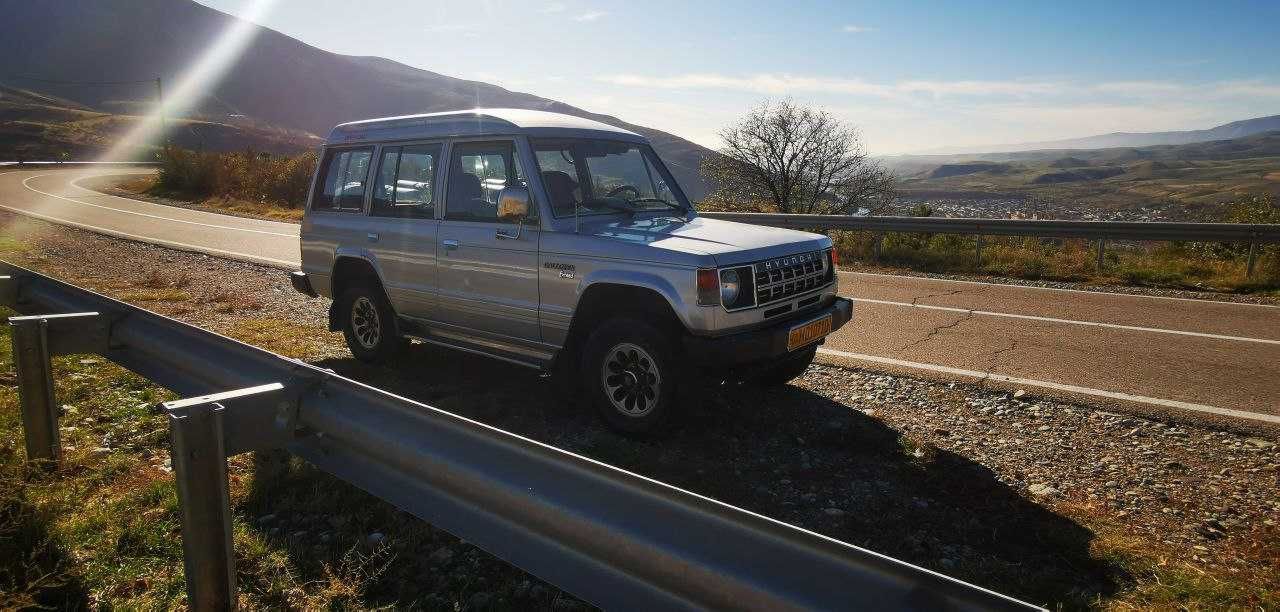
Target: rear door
<point>335,221</point>
<point>486,269</point>
<point>404,224</point>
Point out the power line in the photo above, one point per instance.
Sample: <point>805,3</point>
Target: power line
<point>59,82</point>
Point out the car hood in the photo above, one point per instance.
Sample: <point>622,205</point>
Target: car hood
<point>728,242</point>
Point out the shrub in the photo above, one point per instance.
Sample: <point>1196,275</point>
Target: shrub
<point>248,175</point>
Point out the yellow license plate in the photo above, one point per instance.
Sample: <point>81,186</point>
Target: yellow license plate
<point>808,333</point>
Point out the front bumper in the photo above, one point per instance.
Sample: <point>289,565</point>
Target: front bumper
<point>761,344</point>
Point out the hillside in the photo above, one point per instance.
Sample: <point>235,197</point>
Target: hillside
<point>1176,182</point>
<point>1228,131</point>
<point>278,80</point>
<point>36,126</point>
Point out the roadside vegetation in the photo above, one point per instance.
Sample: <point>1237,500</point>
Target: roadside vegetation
<point>1197,266</point>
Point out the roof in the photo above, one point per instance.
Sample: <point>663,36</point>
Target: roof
<point>476,122</point>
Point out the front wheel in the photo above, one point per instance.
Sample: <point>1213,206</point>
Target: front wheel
<point>632,373</point>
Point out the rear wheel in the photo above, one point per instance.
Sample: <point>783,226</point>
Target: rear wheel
<point>370,325</point>
<point>632,373</point>
<point>787,369</point>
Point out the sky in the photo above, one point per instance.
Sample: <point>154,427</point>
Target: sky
<point>910,76</point>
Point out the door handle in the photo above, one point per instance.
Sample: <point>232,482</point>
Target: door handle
<point>372,236</point>
<point>450,245</point>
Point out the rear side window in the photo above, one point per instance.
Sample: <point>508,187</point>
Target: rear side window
<point>343,180</point>
<point>406,182</point>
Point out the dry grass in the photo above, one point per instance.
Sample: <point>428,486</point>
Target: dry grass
<point>1168,265</point>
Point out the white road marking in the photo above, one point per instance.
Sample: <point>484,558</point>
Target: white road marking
<point>279,263</point>
<point>140,214</point>
<point>1028,382</point>
<point>1010,315</point>
<point>1038,288</point>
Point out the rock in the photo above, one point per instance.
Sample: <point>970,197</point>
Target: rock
<point>1261,443</point>
<point>266,518</point>
<point>834,512</point>
<point>101,451</point>
<point>1042,490</point>
<point>374,539</point>
<point>1019,393</point>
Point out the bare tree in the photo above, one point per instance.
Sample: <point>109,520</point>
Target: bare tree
<point>789,158</point>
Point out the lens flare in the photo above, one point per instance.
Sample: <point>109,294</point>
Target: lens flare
<point>193,83</point>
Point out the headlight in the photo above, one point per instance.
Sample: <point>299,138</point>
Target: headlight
<point>729,286</point>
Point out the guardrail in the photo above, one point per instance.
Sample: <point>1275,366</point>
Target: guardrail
<point>1253,234</point>
<point>610,537</point>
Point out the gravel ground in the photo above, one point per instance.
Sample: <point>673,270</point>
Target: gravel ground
<point>1051,502</point>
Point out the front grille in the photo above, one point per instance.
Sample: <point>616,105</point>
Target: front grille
<point>781,278</point>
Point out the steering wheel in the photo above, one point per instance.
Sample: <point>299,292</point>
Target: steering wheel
<point>617,190</point>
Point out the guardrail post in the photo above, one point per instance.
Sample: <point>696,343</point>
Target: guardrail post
<point>1253,259</point>
<point>35,340</point>
<point>35,388</point>
<point>200,469</point>
<point>979,251</point>
<point>877,243</point>
<point>1102,250</point>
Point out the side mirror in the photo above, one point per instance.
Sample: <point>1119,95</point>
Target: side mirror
<point>513,204</point>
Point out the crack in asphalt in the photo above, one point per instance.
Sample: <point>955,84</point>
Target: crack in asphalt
<point>915,301</point>
<point>994,360</point>
<point>939,329</point>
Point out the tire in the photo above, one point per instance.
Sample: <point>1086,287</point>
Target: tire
<point>788,369</point>
<point>369,325</point>
<point>632,373</point>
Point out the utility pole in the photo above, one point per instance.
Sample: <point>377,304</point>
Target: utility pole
<point>164,130</point>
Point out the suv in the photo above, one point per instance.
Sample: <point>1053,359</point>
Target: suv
<point>556,243</point>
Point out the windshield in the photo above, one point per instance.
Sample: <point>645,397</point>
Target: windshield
<point>592,176</point>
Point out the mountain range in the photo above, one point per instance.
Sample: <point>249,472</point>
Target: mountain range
<point>87,51</point>
<point>1235,129</point>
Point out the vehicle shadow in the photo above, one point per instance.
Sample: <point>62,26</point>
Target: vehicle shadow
<point>788,453</point>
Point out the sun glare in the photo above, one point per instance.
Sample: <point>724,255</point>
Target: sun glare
<point>201,77</point>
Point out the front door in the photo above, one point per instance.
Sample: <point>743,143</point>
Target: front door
<point>486,268</point>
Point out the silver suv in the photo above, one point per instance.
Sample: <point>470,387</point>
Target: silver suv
<point>556,243</point>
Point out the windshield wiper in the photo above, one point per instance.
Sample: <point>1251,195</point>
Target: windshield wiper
<point>672,205</point>
<point>607,203</point>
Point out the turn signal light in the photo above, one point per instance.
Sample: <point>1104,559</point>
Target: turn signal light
<point>708,287</point>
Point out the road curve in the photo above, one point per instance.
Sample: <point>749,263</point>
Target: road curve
<point>1186,358</point>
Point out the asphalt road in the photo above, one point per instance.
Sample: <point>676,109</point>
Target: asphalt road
<point>1195,359</point>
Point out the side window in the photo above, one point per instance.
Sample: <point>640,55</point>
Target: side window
<point>478,172</point>
<point>406,182</point>
<point>343,181</point>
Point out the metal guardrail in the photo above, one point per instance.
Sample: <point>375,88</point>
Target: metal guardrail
<point>610,537</point>
<point>1101,231</point>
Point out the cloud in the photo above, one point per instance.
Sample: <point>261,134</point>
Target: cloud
<point>590,16</point>
<point>856,29</point>
<point>553,7</point>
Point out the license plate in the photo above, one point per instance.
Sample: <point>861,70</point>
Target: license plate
<point>808,333</point>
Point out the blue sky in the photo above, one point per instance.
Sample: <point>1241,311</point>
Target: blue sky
<point>910,76</point>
